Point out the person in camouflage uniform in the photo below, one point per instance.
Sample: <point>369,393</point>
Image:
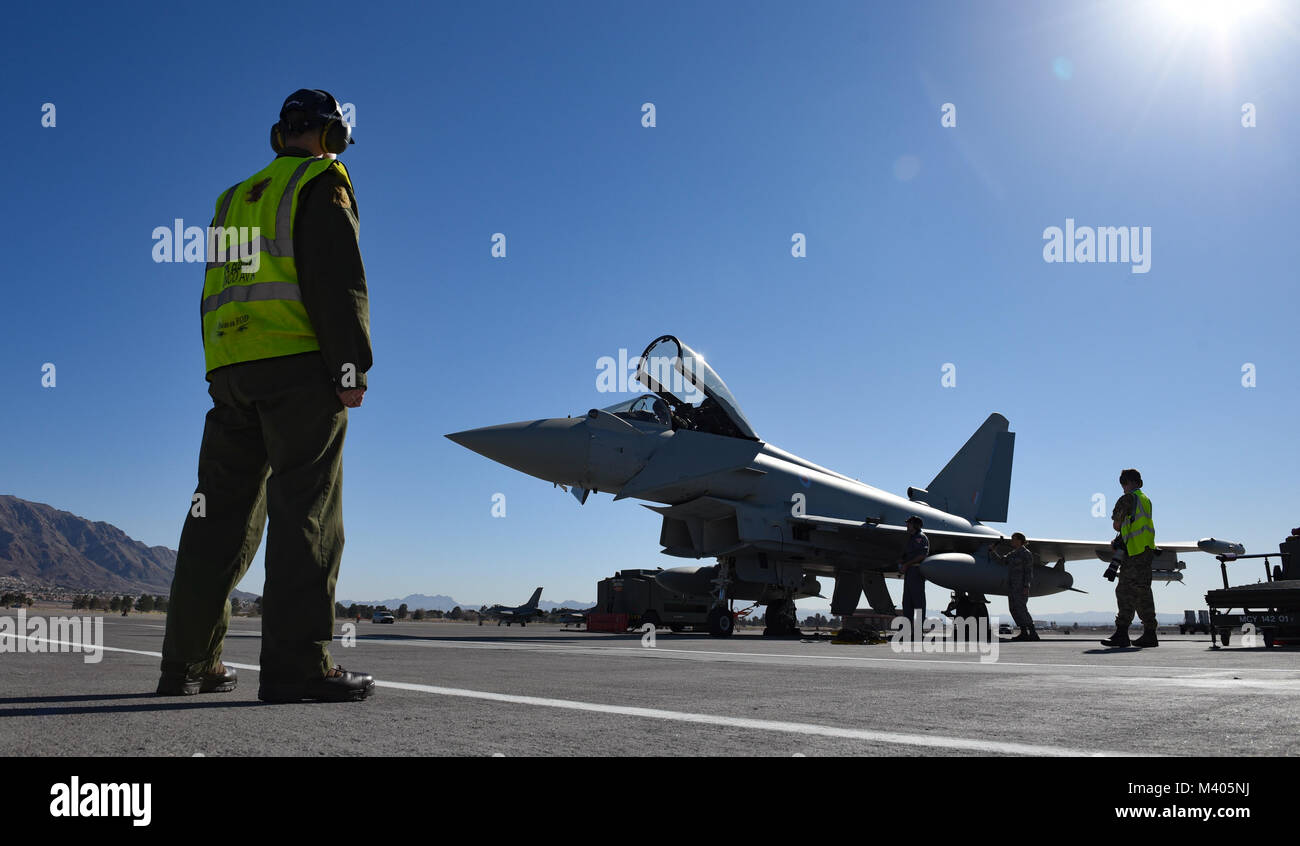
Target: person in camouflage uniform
<point>1020,576</point>
<point>1133,588</point>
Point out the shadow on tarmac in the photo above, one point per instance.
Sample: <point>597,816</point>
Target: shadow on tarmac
<point>167,703</point>
<point>80,697</point>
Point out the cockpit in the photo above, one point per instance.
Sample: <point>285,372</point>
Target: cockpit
<point>646,408</point>
<point>686,393</point>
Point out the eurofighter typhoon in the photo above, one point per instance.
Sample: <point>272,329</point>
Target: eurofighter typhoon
<point>774,521</point>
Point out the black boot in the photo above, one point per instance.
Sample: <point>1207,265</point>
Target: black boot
<point>1119,640</point>
<point>222,680</point>
<point>339,685</point>
<point>1033,634</point>
<point>1148,639</point>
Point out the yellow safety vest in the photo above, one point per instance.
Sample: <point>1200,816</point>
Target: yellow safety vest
<point>252,306</point>
<point>1138,529</point>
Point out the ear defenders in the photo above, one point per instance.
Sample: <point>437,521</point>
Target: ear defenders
<point>307,109</point>
<point>334,136</point>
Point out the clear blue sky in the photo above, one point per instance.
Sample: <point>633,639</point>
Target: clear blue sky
<point>924,248</point>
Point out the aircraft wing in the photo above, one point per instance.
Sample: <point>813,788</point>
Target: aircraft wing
<point>1048,549</point>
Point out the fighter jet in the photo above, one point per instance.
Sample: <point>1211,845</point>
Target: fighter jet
<point>520,614</point>
<point>774,521</point>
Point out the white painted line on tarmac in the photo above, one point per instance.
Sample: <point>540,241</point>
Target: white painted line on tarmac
<point>867,735</point>
<point>81,648</point>
<point>929,741</point>
<point>588,648</point>
<point>593,649</point>
<point>649,652</point>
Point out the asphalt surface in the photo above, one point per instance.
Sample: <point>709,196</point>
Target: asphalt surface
<point>455,689</point>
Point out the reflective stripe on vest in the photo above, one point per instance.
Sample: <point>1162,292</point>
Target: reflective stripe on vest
<point>1138,529</point>
<point>252,306</point>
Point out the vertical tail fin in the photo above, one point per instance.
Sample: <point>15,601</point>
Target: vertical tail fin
<point>976,482</point>
<point>532,603</point>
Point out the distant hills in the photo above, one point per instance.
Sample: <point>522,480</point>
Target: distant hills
<point>40,544</point>
<point>1098,618</point>
<point>43,545</point>
<point>446,603</point>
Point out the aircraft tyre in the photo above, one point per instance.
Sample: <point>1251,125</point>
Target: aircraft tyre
<point>781,619</point>
<point>968,606</point>
<point>721,623</point>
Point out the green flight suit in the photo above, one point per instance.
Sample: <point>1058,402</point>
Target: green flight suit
<point>273,447</point>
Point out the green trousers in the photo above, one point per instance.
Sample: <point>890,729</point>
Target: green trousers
<point>1133,592</point>
<point>272,447</point>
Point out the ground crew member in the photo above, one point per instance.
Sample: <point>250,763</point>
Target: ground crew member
<point>286,340</point>
<point>1132,519</point>
<point>909,564</point>
<point>1020,576</point>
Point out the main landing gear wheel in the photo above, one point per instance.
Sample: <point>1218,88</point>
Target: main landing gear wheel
<point>971,606</point>
<point>721,623</point>
<point>781,619</point>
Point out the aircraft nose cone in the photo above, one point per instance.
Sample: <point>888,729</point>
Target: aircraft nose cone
<point>554,449</point>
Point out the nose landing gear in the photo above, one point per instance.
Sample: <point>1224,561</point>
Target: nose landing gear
<point>721,620</point>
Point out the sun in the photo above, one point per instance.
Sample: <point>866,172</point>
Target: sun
<point>1214,15</point>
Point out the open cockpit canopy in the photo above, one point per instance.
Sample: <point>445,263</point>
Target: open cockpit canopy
<point>689,392</point>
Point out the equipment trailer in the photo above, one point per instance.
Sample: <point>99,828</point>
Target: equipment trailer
<point>1272,607</point>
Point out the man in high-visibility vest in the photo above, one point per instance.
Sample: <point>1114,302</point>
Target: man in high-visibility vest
<point>1132,519</point>
<point>286,341</point>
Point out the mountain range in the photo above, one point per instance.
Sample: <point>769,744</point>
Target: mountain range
<point>43,545</point>
<point>39,544</point>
